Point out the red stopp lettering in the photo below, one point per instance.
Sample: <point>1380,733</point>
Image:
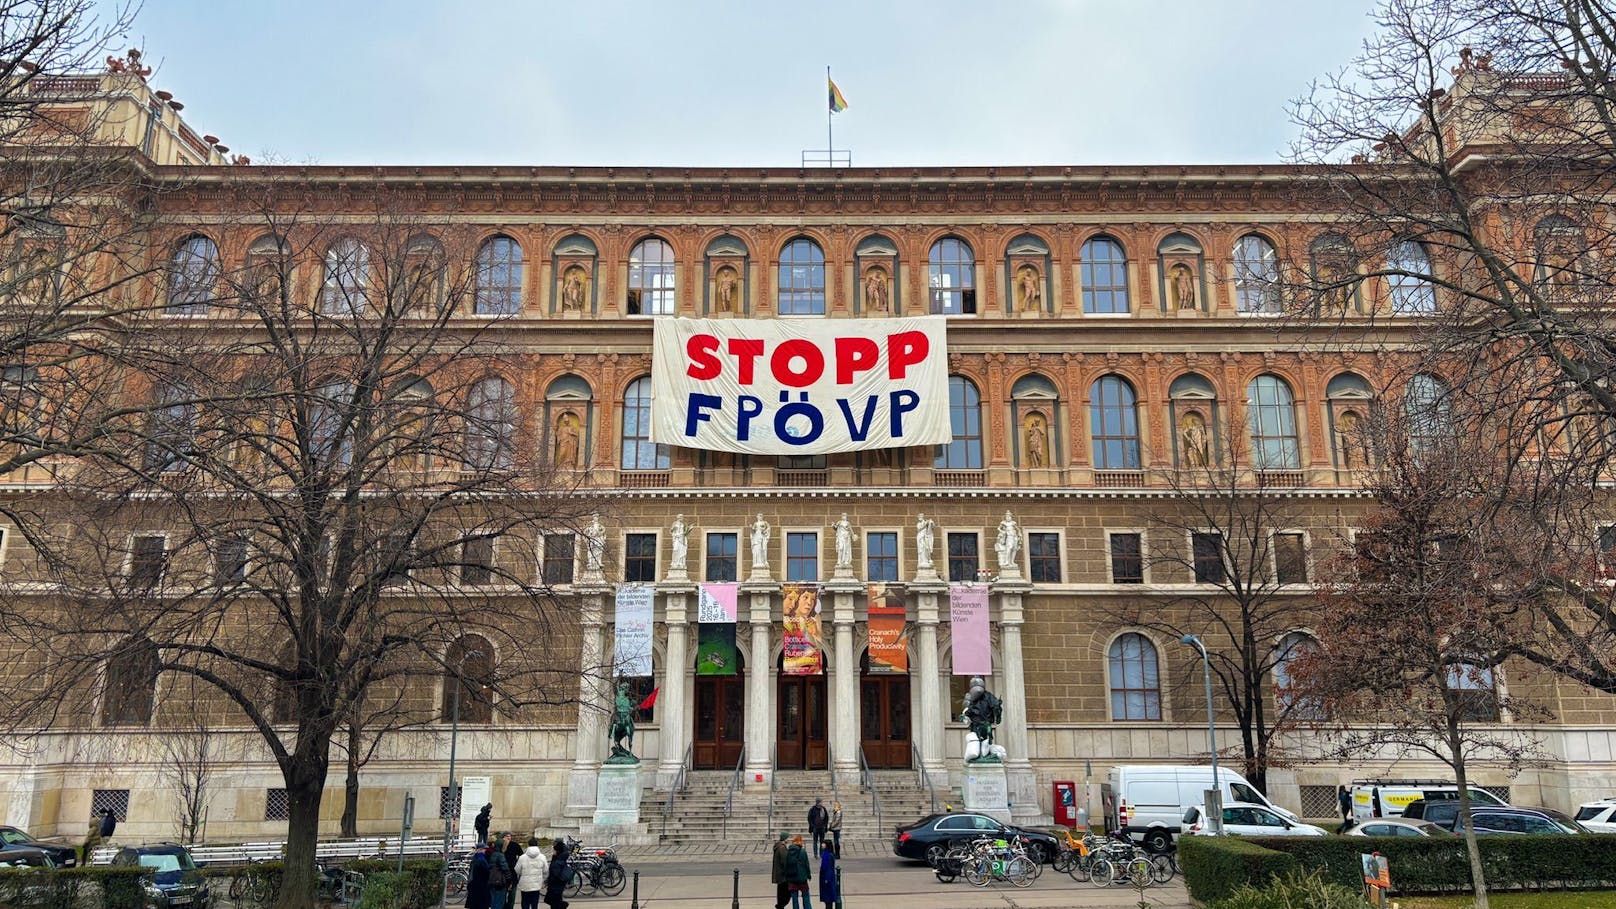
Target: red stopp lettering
<point>745,351</point>
<point>785,355</point>
<point>854,355</point>
<point>702,351</point>
<point>905,349</point>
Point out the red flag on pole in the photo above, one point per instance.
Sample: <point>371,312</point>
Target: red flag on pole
<point>650,699</point>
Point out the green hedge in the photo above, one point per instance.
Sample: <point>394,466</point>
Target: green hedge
<point>419,888</point>
<point>72,888</point>
<point>1215,866</point>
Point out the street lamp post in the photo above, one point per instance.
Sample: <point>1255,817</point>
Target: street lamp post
<point>1211,726</point>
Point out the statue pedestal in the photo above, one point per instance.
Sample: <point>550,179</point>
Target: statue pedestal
<point>677,575</point>
<point>1010,573</point>
<point>928,576</point>
<point>617,795</point>
<point>987,791</point>
<point>759,575</point>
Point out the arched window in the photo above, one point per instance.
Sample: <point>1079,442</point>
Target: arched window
<point>171,429</point>
<point>802,279</point>
<point>1135,678</point>
<point>1428,411</point>
<point>1409,277</point>
<point>411,441</point>
<point>1475,689</point>
<point>1105,277</point>
<point>1256,274</point>
<point>330,431</point>
<point>650,279</point>
<point>1271,413</point>
<point>952,277</point>
<point>491,425</point>
<point>965,418</point>
<point>425,265</point>
<point>129,693</point>
<point>1349,398</point>
<point>1114,424</point>
<point>468,676</point>
<point>1193,403</point>
<point>1335,270</point>
<point>347,277</point>
<point>1291,646</point>
<point>639,452</point>
<point>193,276</point>
<point>498,284</point>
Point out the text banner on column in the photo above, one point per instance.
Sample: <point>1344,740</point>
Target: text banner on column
<point>631,655</point>
<point>804,645</point>
<point>715,633</point>
<point>968,614</point>
<point>889,646</point>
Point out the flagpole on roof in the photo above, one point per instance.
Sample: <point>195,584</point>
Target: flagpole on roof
<point>830,114</point>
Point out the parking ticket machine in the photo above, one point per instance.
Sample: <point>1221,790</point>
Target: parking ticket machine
<point>1066,803</point>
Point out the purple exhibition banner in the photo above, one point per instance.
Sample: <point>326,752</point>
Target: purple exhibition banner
<point>968,614</point>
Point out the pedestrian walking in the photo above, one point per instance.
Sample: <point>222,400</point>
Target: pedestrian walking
<point>830,879</point>
<point>836,826</point>
<point>481,824</point>
<point>798,874</point>
<point>109,823</point>
<point>818,823</point>
<point>499,876</point>
<point>513,854</point>
<point>477,889</point>
<point>777,872</point>
<point>1344,797</point>
<point>530,872</point>
<point>556,879</point>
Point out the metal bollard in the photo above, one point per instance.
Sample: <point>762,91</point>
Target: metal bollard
<point>839,894</point>
<point>735,898</point>
<point>634,903</point>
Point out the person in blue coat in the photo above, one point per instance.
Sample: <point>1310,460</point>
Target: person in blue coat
<point>830,883</point>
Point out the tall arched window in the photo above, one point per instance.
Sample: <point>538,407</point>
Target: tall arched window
<point>330,430</point>
<point>1135,678</point>
<point>1291,646</point>
<point>347,277</point>
<point>639,452</point>
<point>952,271</point>
<point>802,279</point>
<point>193,276</point>
<point>130,690</point>
<point>1271,413</point>
<point>498,288</point>
<point>468,674</point>
<point>1105,277</point>
<point>171,430</point>
<point>491,425</point>
<point>1256,274</point>
<point>1409,277</point>
<point>965,418</point>
<point>1114,424</point>
<point>650,279</point>
<point>1428,412</point>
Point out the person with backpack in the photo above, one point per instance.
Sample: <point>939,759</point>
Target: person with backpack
<point>478,894</point>
<point>559,876</point>
<point>818,823</point>
<point>530,874</point>
<point>798,873</point>
<point>499,876</point>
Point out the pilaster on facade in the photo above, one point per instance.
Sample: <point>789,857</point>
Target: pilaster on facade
<point>760,675</point>
<point>1024,807</point>
<point>930,722</point>
<point>675,726</point>
<point>844,671</point>
<point>594,693</point>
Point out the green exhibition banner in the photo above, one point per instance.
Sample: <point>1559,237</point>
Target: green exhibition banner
<point>715,629</point>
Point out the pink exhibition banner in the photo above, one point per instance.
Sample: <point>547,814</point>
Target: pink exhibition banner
<point>968,614</point>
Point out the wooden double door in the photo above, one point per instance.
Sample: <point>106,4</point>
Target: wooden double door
<point>884,720</point>
<point>720,722</point>
<point>800,741</point>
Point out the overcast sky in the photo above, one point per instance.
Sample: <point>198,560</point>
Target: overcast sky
<point>599,82</point>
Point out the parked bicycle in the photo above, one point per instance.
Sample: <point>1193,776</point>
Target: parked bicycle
<point>1118,861</point>
<point>253,884</point>
<point>985,859</point>
<point>595,867</point>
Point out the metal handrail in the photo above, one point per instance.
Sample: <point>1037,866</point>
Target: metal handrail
<point>734,782</point>
<point>678,786</point>
<point>867,778</point>
<point>914,752</point>
<point>773,757</point>
<point>830,760</point>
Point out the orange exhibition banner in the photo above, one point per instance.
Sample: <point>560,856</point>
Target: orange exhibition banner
<point>804,644</point>
<point>889,651</point>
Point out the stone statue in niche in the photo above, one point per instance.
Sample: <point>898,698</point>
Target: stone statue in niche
<point>573,285</point>
<point>569,438</point>
<point>726,287</point>
<point>1030,288</point>
<point>1183,283</point>
<point>1349,429</point>
<point>1335,291</point>
<point>876,297</point>
<point>1193,441</point>
<point>1037,439</point>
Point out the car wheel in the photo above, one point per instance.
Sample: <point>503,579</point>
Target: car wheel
<point>1036,853</point>
<point>935,853</point>
<point>1158,841</point>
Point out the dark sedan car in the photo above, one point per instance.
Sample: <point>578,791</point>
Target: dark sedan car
<point>928,838</point>
<point>62,856</point>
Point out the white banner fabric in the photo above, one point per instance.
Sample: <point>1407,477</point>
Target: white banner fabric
<point>632,655</point>
<point>795,386</point>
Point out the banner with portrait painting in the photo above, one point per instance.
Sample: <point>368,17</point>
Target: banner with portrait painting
<point>715,629</point>
<point>632,630</point>
<point>804,644</point>
<point>889,645</point>
<point>968,617</point>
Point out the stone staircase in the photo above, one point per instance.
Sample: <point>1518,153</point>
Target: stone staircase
<point>697,815</point>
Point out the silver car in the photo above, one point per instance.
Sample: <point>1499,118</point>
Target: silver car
<point>1394,826</point>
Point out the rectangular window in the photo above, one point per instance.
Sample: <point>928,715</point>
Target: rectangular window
<point>1607,549</point>
<point>559,549</point>
<point>275,806</point>
<point>639,558</point>
<point>1044,558</point>
<point>448,805</point>
<point>477,561</point>
<point>1207,556</point>
<point>721,557</point>
<point>399,551</point>
<point>1373,550</point>
<point>1127,558</point>
<point>230,561</point>
<point>881,556</point>
<point>802,556</point>
<point>962,557</point>
<point>115,799</point>
<point>1290,558</point>
<point>148,558</point>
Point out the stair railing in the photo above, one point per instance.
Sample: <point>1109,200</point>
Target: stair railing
<point>734,783</point>
<point>773,772</point>
<point>866,778</point>
<point>678,786</point>
<point>830,760</point>
<point>924,778</point>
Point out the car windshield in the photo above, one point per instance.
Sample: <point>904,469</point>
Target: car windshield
<point>1244,793</point>
<point>164,862</point>
<point>12,836</point>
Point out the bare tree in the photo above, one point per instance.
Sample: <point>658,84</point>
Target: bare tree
<point>332,495</point>
<point>372,723</point>
<point>190,756</point>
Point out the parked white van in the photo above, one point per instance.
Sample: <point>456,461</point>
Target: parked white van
<point>1388,798</point>
<point>1150,798</point>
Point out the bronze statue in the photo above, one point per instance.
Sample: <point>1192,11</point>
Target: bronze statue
<point>622,728</point>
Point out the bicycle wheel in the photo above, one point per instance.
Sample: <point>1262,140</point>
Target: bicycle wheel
<point>1019,871</point>
<point>577,885</point>
<point>1139,873</point>
<point>977,874</point>
<point>611,879</point>
<point>238,881</point>
<point>257,890</point>
<point>1101,873</point>
<point>1063,861</point>
<point>1161,869</point>
<point>456,881</point>
<point>1081,865</point>
<point>1034,866</point>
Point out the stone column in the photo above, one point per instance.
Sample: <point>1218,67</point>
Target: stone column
<point>933,755</point>
<point>759,683</point>
<point>675,670</point>
<point>844,672</point>
<point>593,690</point>
<point>1024,807</point>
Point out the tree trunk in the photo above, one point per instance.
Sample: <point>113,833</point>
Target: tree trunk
<point>304,774</point>
<point>350,787</point>
<point>1478,877</point>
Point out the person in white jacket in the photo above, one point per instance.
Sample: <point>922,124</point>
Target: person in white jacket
<point>530,870</point>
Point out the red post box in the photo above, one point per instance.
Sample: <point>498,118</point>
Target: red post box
<point>1066,803</point>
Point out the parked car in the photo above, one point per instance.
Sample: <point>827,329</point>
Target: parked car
<point>16,838</point>
<point>1390,798</point>
<point>1442,812</point>
<point>928,838</point>
<point>1398,826</point>
<point>26,857</point>
<point>1597,817</point>
<point>1150,798</point>
<point>1512,820</point>
<point>1247,820</point>
<point>175,881</point>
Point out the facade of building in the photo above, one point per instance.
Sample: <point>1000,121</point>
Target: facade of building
<point>1109,330</point>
